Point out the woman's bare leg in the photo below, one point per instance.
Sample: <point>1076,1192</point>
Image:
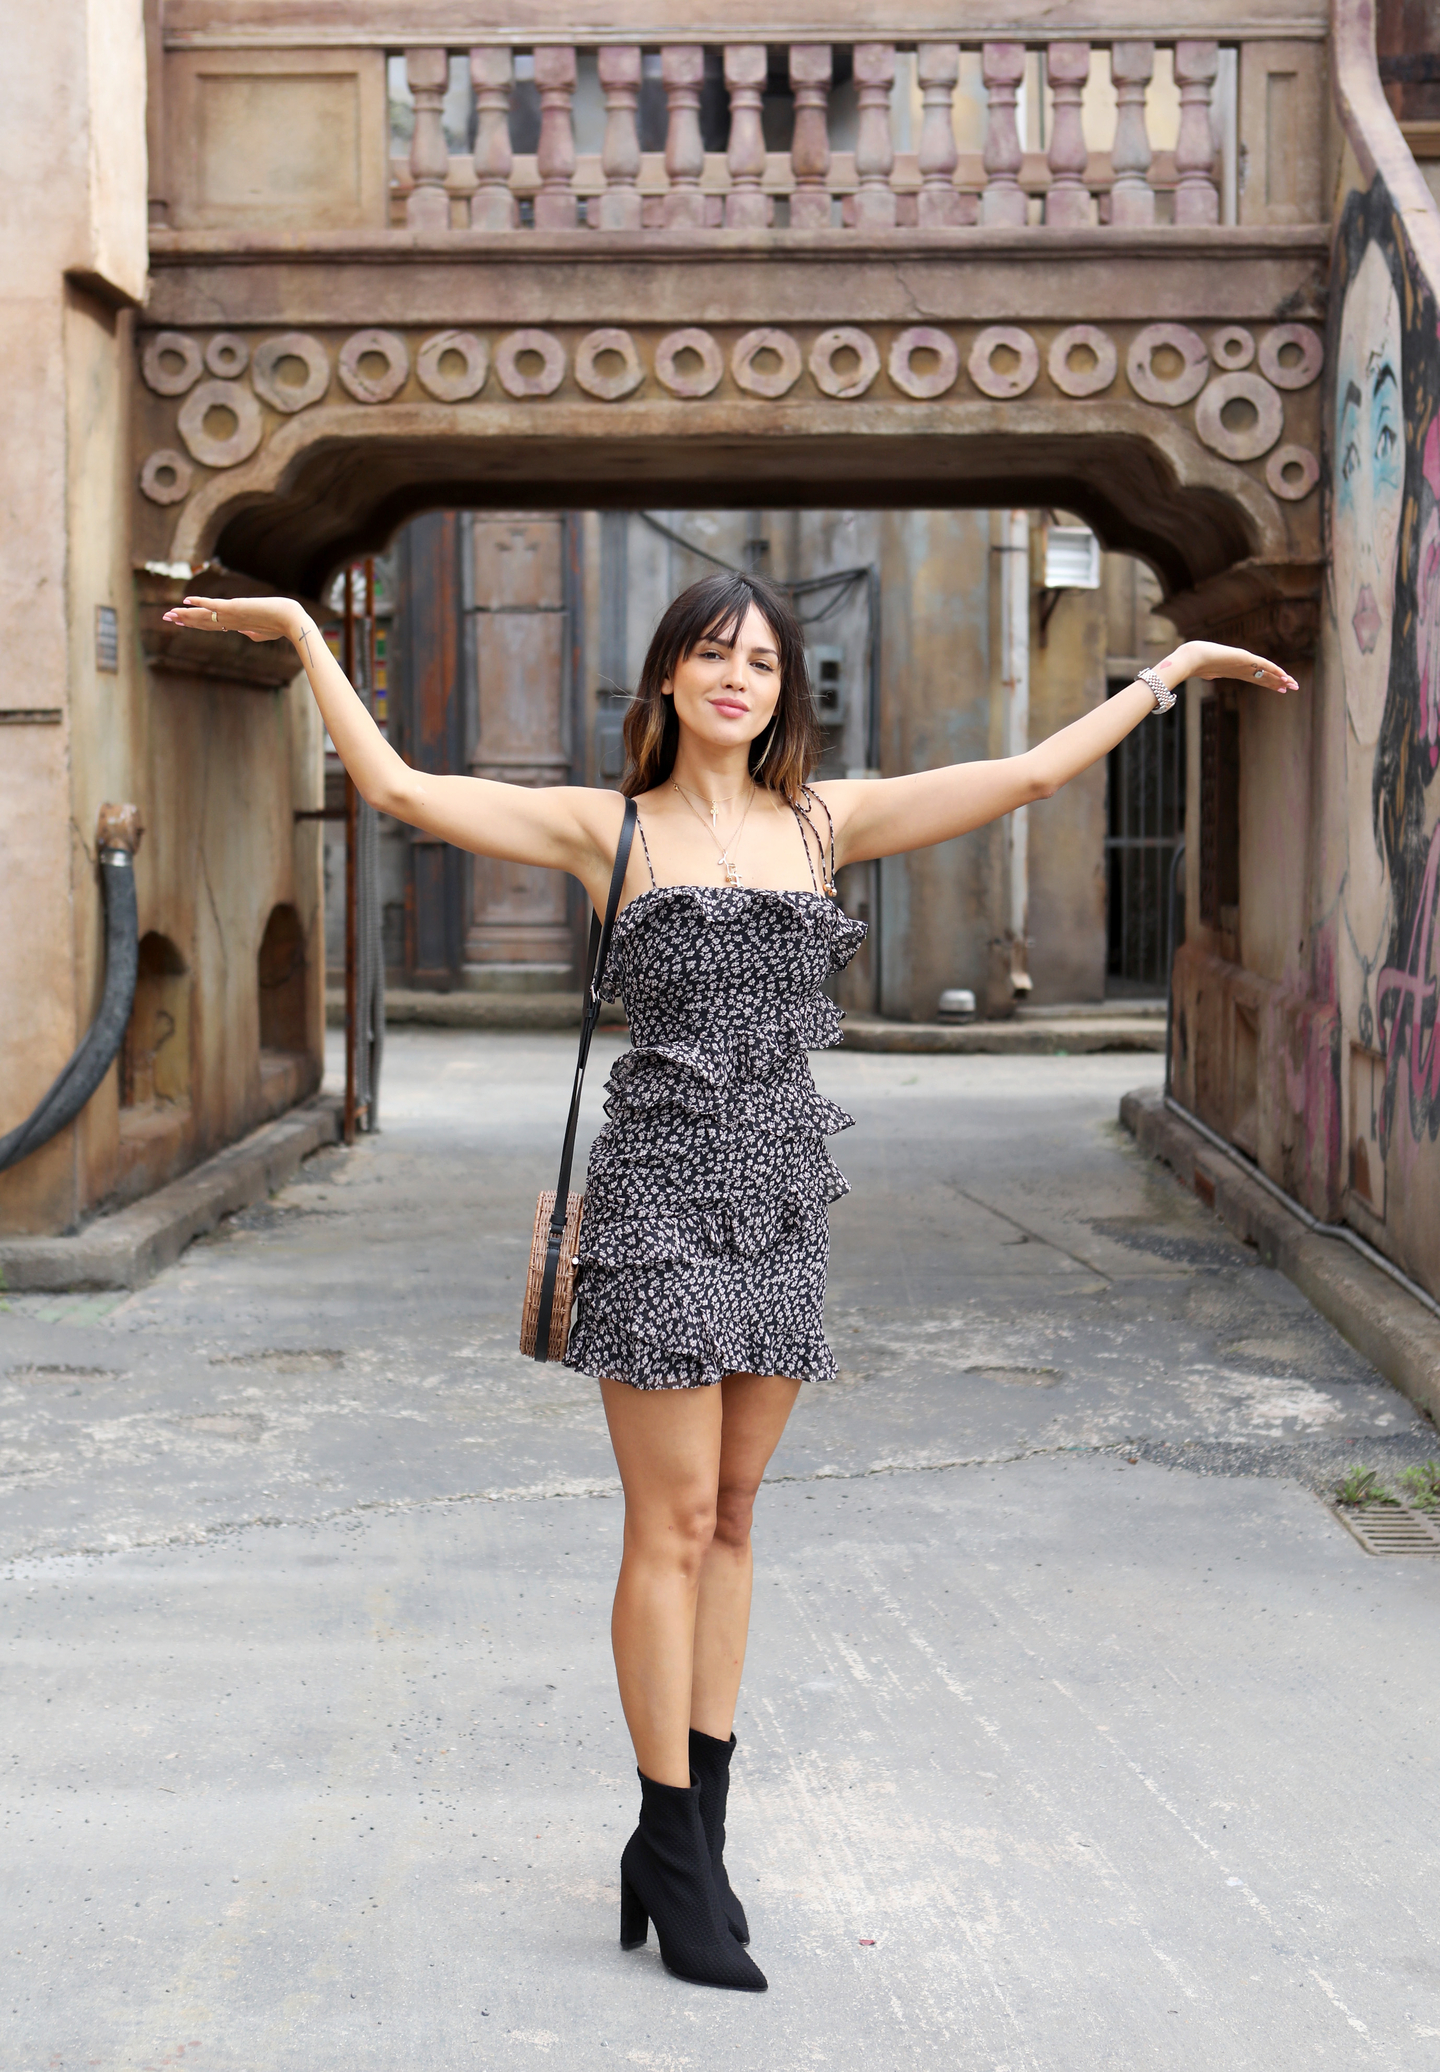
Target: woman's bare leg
<point>668,1446</point>
<point>756,1407</point>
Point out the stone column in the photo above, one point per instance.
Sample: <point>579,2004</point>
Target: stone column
<point>682,67</point>
<point>874,148</point>
<point>941,203</point>
<point>555,158</point>
<point>1002,66</point>
<point>810,72</point>
<point>1068,202</point>
<point>618,208</point>
<point>1197,199</point>
<point>492,205</point>
<point>747,207</point>
<point>427,207</point>
<point>1132,198</point>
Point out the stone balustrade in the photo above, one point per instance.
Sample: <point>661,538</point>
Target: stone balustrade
<point>865,154</point>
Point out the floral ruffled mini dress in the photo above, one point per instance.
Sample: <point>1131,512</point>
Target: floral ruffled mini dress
<point>705,1238</point>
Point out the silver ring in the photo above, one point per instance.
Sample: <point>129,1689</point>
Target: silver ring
<point>1259,675</point>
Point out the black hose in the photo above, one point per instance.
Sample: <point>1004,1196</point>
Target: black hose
<point>95,1055</point>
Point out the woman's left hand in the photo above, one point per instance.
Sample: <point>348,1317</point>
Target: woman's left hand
<point>1208,660</point>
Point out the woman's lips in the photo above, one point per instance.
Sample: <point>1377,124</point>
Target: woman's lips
<point>730,707</point>
<point>1366,621</point>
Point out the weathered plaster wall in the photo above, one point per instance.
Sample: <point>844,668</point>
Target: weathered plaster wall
<point>216,771</point>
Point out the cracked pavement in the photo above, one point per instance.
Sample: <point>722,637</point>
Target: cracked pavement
<point>1076,1732</point>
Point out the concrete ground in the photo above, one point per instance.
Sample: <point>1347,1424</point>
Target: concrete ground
<point>1077,1731</point>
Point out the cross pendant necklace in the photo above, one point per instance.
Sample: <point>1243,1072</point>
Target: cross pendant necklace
<point>729,869</point>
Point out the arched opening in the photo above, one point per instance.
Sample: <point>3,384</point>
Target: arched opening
<point>280,973</point>
<point>155,1072</point>
<point>155,1056</point>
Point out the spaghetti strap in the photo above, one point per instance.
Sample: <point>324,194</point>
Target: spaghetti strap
<point>805,843</point>
<point>640,830</point>
<point>828,876</point>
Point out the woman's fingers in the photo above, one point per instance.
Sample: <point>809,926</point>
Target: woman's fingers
<point>228,615</point>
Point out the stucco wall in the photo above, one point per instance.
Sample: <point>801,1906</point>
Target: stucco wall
<point>216,771</point>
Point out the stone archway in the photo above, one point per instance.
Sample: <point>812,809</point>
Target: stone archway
<point>1194,445</point>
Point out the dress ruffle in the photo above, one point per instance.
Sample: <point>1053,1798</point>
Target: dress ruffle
<point>704,1240</point>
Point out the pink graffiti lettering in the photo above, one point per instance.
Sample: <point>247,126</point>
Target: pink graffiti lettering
<point>1427,603</point>
<point>1405,1003</point>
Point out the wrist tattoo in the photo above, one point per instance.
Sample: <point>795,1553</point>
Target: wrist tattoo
<point>305,646</point>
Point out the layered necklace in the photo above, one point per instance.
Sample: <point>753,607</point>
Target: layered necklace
<point>710,817</point>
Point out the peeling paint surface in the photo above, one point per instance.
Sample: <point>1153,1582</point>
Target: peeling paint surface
<point>1076,1732</point>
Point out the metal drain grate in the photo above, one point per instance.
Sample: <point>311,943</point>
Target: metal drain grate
<point>1391,1528</point>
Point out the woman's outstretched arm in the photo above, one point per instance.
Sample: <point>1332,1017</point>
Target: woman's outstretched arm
<point>899,813</point>
<point>566,826</point>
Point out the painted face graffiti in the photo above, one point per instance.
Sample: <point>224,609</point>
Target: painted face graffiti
<point>1369,485</point>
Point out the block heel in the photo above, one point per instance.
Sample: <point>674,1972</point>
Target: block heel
<point>634,1917</point>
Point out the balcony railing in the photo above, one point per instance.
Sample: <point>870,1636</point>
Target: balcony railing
<point>713,135</point>
<point>862,171</point>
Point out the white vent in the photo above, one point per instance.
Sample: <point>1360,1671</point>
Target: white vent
<point>1072,558</point>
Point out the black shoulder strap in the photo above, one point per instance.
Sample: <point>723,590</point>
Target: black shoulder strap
<point>594,973</point>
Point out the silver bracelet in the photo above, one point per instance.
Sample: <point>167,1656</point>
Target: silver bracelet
<point>1159,690</point>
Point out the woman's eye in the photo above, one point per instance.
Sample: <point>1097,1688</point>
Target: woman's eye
<point>1386,442</point>
<point>1351,461</point>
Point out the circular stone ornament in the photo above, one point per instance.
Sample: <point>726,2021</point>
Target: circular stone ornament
<point>668,353</point>
<point>774,382</point>
<point>608,343</point>
<point>1082,381</point>
<point>1170,389</point>
<point>373,388</point>
<point>923,338</point>
<point>452,387</point>
<point>166,476</point>
<point>1252,440</point>
<point>227,355</point>
<point>171,345</point>
<point>1297,374</point>
<point>1291,473</point>
<point>995,381</point>
<point>1232,347</point>
<point>510,352</point>
<point>825,351</point>
<point>204,446</point>
<point>290,396</point>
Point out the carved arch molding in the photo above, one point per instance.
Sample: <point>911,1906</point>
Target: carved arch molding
<point>281,452</point>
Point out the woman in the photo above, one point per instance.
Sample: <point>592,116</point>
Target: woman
<point>704,1241</point>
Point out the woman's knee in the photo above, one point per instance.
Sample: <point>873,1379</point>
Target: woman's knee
<point>734,1515</point>
<point>677,1533</point>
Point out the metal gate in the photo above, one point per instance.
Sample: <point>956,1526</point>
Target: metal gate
<point>1145,818</point>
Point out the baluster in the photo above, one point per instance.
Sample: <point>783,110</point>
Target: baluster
<point>1132,198</point>
<point>427,207</point>
<point>1068,202</point>
<point>618,208</point>
<point>555,154</point>
<point>810,72</point>
<point>682,67</point>
<point>938,69</point>
<point>746,207</point>
<point>1196,197</point>
<point>874,150</point>
<point>1002,66</point>
<point>492,205</point>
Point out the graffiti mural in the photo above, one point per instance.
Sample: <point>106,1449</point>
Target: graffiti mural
<point>1384,477</point>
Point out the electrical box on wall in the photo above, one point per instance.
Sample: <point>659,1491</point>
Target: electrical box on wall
<point>827,680</point>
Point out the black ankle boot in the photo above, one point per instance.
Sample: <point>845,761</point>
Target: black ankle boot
<point>665,1876</point>
<point>710,1762</point>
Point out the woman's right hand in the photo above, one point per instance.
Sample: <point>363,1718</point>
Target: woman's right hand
<point>258,618</point>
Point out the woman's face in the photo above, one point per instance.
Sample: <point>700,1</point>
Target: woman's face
<point>726,691</point>
<point>1369,481</point>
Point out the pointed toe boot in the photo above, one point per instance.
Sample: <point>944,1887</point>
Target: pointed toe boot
<point>665,1877</point>
<point>710,1762</point>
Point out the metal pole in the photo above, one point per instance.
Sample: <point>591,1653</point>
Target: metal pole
<point>1015,690</point>
<point>352,804</point>
<point>1176,859</point>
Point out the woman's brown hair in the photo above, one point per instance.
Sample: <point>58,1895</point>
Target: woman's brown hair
<point>783,754</point>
